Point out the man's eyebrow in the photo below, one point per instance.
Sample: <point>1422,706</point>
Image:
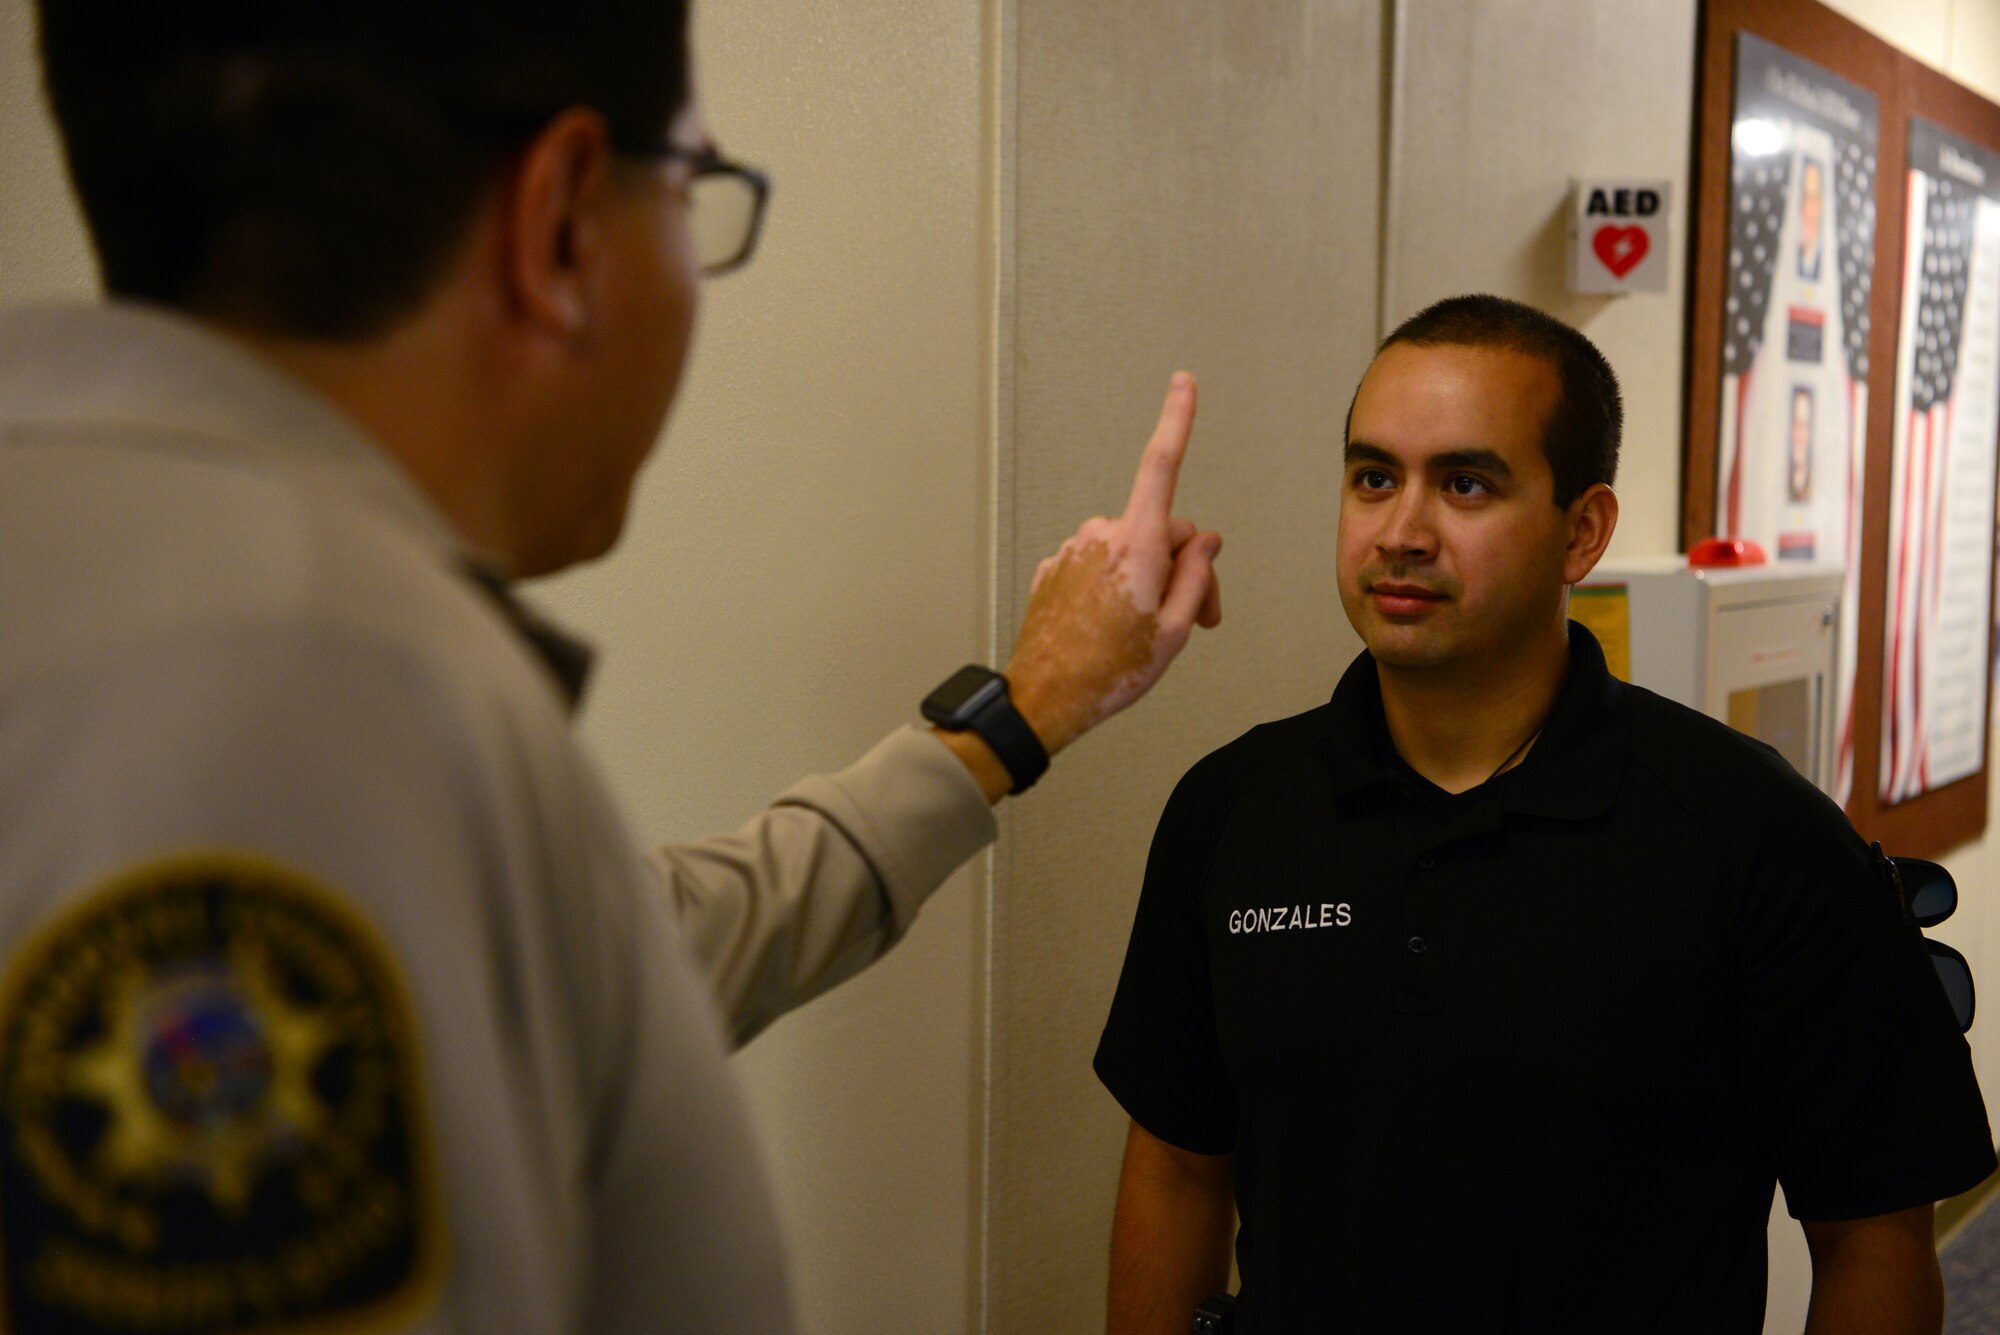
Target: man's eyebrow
<point>1480,461</point>
<point>1362,450</point>
<point>1476,459</point>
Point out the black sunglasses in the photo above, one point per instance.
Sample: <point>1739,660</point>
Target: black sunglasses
<point>1929,893</point>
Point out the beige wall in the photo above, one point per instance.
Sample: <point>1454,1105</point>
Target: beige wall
<point>1960,37</point>
<point>43,254</point>
<point>998,226</point>
<point>1195,185</point>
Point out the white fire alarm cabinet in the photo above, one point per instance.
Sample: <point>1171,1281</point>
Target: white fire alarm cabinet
<point>1753,646</point>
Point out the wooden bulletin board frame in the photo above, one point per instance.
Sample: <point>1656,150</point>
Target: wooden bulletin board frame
<point>1929,824</point>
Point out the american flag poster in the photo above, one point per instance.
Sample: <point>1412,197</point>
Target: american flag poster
<point>1792,437</point>
<point>1937,625</point>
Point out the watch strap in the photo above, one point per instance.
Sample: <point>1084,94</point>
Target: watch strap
<point>976,699</point>
<point>1019,749</point>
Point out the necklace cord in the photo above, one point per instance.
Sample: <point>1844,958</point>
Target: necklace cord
<point>1513,755</point>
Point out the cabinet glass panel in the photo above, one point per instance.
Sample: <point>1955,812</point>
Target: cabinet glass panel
<point>1781,716</point>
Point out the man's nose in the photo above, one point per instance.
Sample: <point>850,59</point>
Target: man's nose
<point>1408,529</point>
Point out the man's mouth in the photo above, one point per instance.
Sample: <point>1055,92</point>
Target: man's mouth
<point>1395,598</point>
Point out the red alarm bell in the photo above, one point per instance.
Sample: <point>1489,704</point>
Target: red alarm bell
<point>1725,552</point>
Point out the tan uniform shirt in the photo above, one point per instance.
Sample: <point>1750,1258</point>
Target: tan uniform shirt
<point>334,984</point>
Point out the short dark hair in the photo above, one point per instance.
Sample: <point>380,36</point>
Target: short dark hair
<point>1581,436</point>
<point>309,167</point>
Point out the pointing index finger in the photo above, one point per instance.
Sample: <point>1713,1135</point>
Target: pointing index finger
<point>1159,467</point>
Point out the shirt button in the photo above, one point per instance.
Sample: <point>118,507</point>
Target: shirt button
<point>1418,945</point>
<point>1427,861</point>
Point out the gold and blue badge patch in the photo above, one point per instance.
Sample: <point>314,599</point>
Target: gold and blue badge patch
<point>210,1116</point>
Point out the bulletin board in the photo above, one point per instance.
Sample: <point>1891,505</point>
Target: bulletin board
<point>1843,380</point>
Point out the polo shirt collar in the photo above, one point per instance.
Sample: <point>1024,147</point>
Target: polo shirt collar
<point>1363,757</point>
<point>567,658</point>
<point>1572,773</point>
<point>121,362</point>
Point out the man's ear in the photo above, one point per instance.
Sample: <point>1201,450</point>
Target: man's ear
<point>1592,517</point>
<point>551,221</point>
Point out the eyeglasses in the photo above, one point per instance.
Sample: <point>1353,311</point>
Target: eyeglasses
<point>725,204</point>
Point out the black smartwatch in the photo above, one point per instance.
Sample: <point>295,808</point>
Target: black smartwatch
<point>975,699</point>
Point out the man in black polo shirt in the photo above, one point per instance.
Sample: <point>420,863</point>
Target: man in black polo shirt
<point>1496,994</point>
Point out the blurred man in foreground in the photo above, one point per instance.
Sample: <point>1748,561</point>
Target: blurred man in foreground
<point>336,992</point>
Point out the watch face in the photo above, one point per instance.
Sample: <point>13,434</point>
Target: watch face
<point>966,692</point>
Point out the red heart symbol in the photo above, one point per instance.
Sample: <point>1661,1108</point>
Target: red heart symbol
<point>1621,248</point>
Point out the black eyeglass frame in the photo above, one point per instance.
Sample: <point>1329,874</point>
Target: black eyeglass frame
<point>708,161</point>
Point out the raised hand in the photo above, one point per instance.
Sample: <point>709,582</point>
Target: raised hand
<point>1117,601</point>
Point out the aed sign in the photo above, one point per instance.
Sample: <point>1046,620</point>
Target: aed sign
<point>1618,236</point>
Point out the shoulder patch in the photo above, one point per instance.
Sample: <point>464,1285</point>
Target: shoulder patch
<point>210,1113</point>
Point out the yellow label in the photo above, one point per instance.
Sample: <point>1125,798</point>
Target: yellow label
<point>1605,611</point>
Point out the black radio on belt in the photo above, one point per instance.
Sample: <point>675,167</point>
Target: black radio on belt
<point>1216,1315</point>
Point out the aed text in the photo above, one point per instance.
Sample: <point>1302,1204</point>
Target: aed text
<point>1623,203</point>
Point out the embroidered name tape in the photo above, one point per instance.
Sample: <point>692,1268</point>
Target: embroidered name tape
<point>1289,918</point>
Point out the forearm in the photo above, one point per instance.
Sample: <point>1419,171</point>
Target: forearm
<point>815,888</point>
<point>1876,1300</point>
<point>1877,1280</point>
<point>1170,1240</point>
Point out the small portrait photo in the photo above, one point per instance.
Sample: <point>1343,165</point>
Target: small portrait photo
<point>1812,204</point>
<point>1799,445</point>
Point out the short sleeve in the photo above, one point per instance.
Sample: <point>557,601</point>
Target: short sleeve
<point>1847,1049</point>
<point>1160,1055</point>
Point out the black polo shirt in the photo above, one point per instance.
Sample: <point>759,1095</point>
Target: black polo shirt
<point>1529,1058</point>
